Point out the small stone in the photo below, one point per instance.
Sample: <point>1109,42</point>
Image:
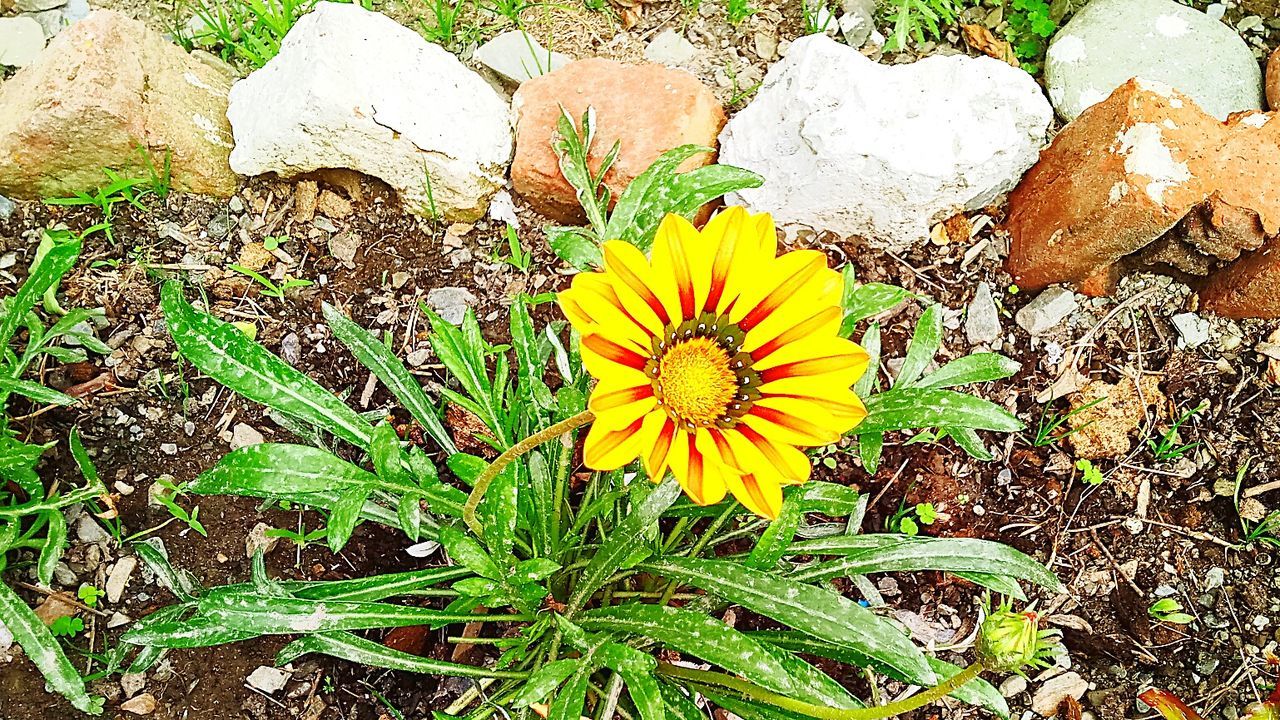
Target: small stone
<point>53,607</point>
<point>1049,696</point>
<point>118,578</point>
<point>670,47</point>
<point>220,225</point>
<point>235,204</point>
<point>6,640</point>
<point>765,44</point>
<point>257,539</point>
<point>1110,41</point>
<point>1214,578</point>
<point>1273,80</point>
<point>269,680</point>
<point>1103,416</point>
<point>89,531</point>
<point>21,40</point>
<point>143,704</point>
<point>517,57</point>
<point>333,205</point>
<point>1193,330</point>
<point>51,21</point>
<point>344,247</point>
<point>306,197</point>
<point>75,11</point>
<point>118,619</point>
<point>243,435</point>
<point>982,322</point>
<point>169,448</point>
<point>132,683</point>
<point>7,207</point>
<point>858,22</point>
<point>63,575</point>
<point>1049,309</point>
<point>255,256</point>
<point>1013,685</point>
<point>451,303</point>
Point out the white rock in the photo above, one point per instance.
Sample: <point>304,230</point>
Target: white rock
<point>89,531</point>
<point>1193,330</point>
<point>884,151</point>
<point>1048,309</point>
<point>670,47</point>
<point>118,578</point>
<point>1050,695</point>
<point>451,302</point>
<point>21,40</point>
<point>143,704</point>
<point>268,679</point>
<point>243,435</point>
<point>517,56</point>
<point>1013,685</point>
<point>6,639</point>
<point>38,5</point>
<point>354,89</point>
<point>982,323</point>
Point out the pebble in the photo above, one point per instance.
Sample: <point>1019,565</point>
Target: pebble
<point>89,531</point>
<point>132,683</point>
<point>669,47</point>
<point>982,323</point>
<point>268,679</point>
<point>257,540</point>
<point>50,21</point>
<point>143,704</point>
<point>169,448</point>
<point>1049,309</point>
<point>1050,695</point>
<point>235,204</point>
<point>1214,578</point>
<point>21,40</point>
<point>1013,685</point>
<point>451,303</point>
<point>6,639</point>
<point>118,619</point>
<point>242,436</point>
<point>63,575</point>
<point>124,488</point>
<point>1193,330</point>
<point>119,577</point>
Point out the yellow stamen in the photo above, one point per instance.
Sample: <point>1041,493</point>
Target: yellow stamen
<point>695,381</point>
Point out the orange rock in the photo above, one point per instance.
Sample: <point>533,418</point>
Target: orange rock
<point>649,108</point>
<point>1247,288</point>
<point>1273,80</point>
<point>1133,167</point>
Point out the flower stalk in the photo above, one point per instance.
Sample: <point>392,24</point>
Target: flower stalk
<point>486,478</point>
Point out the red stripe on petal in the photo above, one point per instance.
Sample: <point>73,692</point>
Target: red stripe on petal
<point>638,286</point>
<point>812,366</point>
<point>625,396</point>
<point>796,332</point>
<point>784,290</point>
<point>614,352</point>
<point>657,464</point>
<point>791,422</point>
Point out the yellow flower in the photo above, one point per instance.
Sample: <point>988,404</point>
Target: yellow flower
<point>716,359</point>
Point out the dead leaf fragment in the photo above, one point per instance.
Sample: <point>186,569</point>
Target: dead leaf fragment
<point>980,39</point>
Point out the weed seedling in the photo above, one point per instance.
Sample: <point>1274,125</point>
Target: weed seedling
<point>273,242</point>
<point>1091,474</point>
<point>917,19</point>
<point>1168,448</point>
<point>300,537</point>
<point>739,10</point>
<point>269,288</point>
<point>168,491</point>
<point>519,257</point>
<point>907,520</point>
<point>67,627</point>
<point>1047,429</point>
<point>1170,611</point>
<point>817,18</point>
<point>105,198</point>
<point>89,595</point>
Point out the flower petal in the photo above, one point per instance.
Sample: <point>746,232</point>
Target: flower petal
<point>673,247</point>
<point>783,279</point>
<point>633,281</point>
<point>618,405</point>
<point>784,462</point>
<point>656,436</point>
<point>609,449</point>
<point>703,482</point>
<point>792,422</point>
<point>745,252</point>
<point>762,496</point>
<point>592,306</point>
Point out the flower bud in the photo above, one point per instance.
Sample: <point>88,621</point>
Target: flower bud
<point>1010,641</point>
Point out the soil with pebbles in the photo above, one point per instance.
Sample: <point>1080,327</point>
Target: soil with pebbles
<point>1153,529</point>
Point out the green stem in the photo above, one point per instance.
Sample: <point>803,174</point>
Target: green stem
<point>752,691</point>
<point>701,545</point>
<point>486,478</point>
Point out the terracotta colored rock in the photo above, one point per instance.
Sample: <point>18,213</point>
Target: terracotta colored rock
<point>1272,81</point>
<point>103,88</point>
<point>1248,288</point>
<point>1118,179</point>
<point>649,108</point>
<point>1112,181</point>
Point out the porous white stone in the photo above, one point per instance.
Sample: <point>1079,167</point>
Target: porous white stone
<point>858,148</point>
<point>354,89</point>
<point>517,56</point>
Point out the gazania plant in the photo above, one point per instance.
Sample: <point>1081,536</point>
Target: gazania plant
<point>658,478</point>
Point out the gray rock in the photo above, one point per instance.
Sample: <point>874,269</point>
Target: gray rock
<point>858,21</point>
<point>1111,41</point>
<point>21,40</point>
<point>75,11</point>
<point>6,640</point>
<point>89,531</point>
<point>7,207</point>
<point>451,302</point>
<point>257,539</point>
<point>1013,685</point>
<point>243,435</point>
<point>1193,330</point>
<point>268,679</point>
<point>38,5</point>
<point>670,48</point>
<point>132,683</point>
<point>1047,310</point>
<point>63,575</point>
<point>51,21</point>
<point>982,323</point>
<point>517,56</point>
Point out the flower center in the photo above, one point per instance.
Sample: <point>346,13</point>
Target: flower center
<point>699,374</point>
<point>696,381</point>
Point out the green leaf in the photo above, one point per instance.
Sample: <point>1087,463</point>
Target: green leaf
<point>623,541</point>
<point>828,498</point>
<point>225,354</point>
<point>383,363</point>
<point>775,539</point>
<point>863,554</point>
<point>44,651</point>
<point>975,368</point>
<point>924,345</point>
<point>280,469</point>
<point>55,544</point>
<point>696,634</point>
<point>344,515</point>
<point>867,384</point>
<point>574,246</point>
<point>679,706</point>
<point>907,408</point>
<point>181,583</point>
<point>532,352</point>
<point>36,392</point>
<point>542,683</point>
<point>569,702</point>
<point>358,650</point>
<point>816,611</point>
<point>45,273</point>
<point>870,448</point>
<point>467,552</point>
<point>498,512</point>
<point>462,351</point>
<point>869,300</point>
<point>661,190</point>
